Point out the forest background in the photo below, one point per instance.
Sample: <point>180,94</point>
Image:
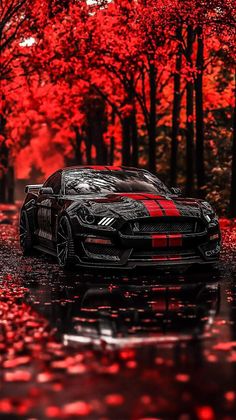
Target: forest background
<point>148,83</point>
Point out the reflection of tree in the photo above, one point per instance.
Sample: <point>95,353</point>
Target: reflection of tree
<point>89,181</point>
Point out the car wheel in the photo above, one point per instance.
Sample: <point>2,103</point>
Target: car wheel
<point>65,244</point>
<point>26,237</point>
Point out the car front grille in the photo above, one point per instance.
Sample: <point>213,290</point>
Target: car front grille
<point>157,226</point>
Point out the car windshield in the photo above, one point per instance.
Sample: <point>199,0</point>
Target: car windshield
<point>85,182</point>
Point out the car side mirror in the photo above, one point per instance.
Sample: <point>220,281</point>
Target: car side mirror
<point>176,191</point>
<point>46,190</point>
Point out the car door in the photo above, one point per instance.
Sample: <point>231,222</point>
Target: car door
<point>47,210</point>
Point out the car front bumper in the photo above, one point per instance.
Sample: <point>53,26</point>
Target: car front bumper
<point>118,251</point>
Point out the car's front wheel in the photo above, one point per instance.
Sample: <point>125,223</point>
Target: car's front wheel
<point>65,244</point>
<point>26,236</point>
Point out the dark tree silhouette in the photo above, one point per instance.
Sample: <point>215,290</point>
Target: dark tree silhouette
<point>200,164</point>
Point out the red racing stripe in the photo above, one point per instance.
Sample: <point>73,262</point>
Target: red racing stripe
<point>169,208</point>
<point>131,195</point>
<point>159,258</point>
<point>153,196</point>
<point>164,241</point>
<point>153,208</point>
<point>175,240</point>
<point>175,258</point>
<point>159,304</point>
<point>159,241</point>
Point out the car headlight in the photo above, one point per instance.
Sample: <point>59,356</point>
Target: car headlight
<point>88,218</point>
<point>208,211</point>
<point>85,216</point>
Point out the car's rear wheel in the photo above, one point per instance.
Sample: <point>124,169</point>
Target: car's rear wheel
<point>26,236</point>
<point>65,244</point>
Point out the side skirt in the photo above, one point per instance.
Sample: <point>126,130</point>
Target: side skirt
<point>45,250</point>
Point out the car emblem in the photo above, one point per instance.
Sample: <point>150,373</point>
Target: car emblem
<point>136,227</point>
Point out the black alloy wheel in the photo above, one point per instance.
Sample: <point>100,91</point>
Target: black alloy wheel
<point>26,237</point>
<point>65,244</point>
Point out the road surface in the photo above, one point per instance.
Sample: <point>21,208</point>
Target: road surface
<point>111,346</point>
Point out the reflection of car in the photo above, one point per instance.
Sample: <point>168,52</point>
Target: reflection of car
<point>117,217</point>
<point>129,314</point>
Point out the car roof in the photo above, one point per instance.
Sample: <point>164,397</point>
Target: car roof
<point>101,168</point>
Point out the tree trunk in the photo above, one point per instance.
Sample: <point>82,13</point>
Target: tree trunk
<point>152,122</point>
<point>101,151</point>
<point>96,126</point>
<point>189,122</point>
<point>133,124</point>
<point>88,151</point>
<point>78,141</point>
<point>88,142</point>
<point>10,185</point>
<point>200,164</point>
<point>112,150</point>
<point>4,158</point>
<point>112,140</point>
<point>126,141</point>
<point>233,179</point>
<point>134,135</point>
<point>3,183</point>
<point>176,111</point>
<point>99,127</point>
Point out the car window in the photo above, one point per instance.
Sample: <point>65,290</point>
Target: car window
<point>54,181</point>
<point>85,181</point>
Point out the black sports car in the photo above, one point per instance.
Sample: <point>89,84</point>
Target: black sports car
<point>106,216</point>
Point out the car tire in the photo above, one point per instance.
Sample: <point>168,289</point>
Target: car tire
<point>26,236</point>
<point>65,244</point>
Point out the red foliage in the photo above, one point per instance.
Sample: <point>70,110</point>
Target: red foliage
<point>88,82</point>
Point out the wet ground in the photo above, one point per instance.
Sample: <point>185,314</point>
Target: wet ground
<point>111,346</point>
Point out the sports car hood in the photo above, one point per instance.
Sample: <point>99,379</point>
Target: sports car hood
<point>134,205</point>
